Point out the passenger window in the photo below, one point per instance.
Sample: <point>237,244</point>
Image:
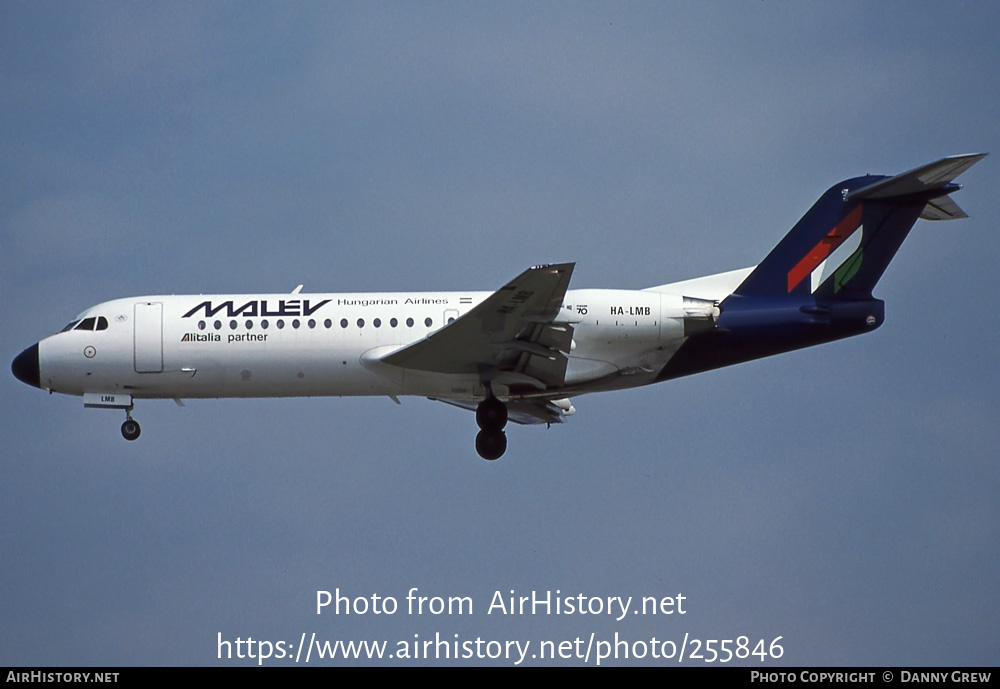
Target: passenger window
<point>427,322</point>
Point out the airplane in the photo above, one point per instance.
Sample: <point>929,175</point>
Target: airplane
<point>519,353</point>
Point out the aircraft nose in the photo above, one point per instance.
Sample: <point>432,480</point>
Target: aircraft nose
<point>25,366</point>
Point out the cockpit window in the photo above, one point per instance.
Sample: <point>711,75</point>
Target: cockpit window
<point>92,323</point>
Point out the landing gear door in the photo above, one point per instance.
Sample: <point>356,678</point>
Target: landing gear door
<point>148,333</point>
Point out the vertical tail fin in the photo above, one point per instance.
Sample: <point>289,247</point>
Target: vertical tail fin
<point>842,246</point>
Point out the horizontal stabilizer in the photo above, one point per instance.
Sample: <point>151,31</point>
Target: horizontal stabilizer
<point>942,208</point>
<point>842,246</point>
<point>922,179</point>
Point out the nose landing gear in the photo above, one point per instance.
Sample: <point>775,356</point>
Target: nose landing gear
<point>115,400</point>
<point>491,415</point>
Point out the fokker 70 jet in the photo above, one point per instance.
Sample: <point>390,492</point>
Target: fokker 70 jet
<point>519,353</point>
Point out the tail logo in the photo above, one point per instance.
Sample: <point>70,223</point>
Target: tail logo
<point>838,254</point>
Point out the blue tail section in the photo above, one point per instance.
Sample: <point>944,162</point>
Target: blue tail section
<point>842,246</point>
<point>788,268</point>
<point>816,285</point>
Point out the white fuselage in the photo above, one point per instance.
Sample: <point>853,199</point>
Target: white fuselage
<point>518,353</point>
<point>286,345</point>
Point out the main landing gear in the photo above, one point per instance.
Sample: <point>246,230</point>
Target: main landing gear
<point>491,415</point>
<point>130,429</point>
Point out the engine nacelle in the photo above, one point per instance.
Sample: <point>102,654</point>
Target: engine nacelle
<point>690,315</point>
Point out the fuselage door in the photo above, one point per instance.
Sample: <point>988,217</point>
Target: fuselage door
<point>148,333</point>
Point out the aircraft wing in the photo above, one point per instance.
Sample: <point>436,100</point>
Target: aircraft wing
<point>519,335</point>
<point>525,412</point>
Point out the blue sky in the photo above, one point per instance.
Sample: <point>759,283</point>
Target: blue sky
<point>842,497</point>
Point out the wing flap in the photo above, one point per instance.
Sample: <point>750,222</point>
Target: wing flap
<point>550,370</point>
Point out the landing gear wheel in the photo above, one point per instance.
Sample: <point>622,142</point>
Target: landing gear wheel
<point>491,414</point>
<point>491,444</point>
<point>130,429</point>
